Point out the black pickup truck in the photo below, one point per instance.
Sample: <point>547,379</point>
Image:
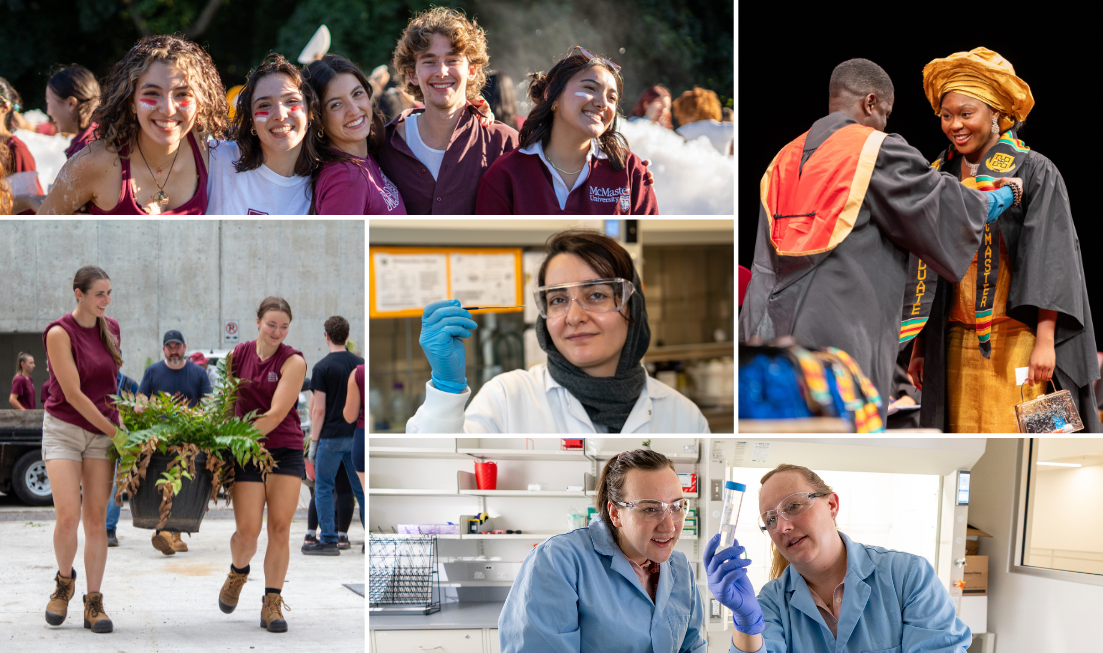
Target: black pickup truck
<point>21,466</point>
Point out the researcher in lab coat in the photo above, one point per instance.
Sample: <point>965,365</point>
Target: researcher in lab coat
<point>829,594</point>
<point>593,327</point>
<point>617,585</point>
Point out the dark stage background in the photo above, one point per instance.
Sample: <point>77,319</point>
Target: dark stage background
<point>786,56</point>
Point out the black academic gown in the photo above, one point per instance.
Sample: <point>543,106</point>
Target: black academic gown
<point>1047,273</point>
<point>850,297</point>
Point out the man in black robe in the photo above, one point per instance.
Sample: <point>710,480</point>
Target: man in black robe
<point>850,295</point>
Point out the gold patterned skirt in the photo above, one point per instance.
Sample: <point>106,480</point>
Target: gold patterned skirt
<point>981,393</point>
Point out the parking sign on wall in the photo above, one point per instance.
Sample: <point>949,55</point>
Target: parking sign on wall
<point>229,331</point>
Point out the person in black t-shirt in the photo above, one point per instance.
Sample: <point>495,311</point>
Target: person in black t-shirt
<point>330,434</point>
<point>178,377</point>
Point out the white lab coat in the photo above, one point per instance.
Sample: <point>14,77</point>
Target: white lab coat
<point>531,401</point>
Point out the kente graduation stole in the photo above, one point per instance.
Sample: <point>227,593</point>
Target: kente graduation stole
<point>999,161</point>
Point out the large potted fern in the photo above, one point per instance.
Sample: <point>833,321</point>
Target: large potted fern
<point>173,458</point>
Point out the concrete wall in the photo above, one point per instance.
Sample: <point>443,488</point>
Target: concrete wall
<point>1027,613</point>
<point>188,275</point>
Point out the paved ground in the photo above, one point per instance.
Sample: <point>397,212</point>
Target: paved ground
<point>170,603</point>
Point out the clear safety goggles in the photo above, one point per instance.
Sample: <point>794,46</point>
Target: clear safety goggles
<point>790,507</point>
<point>595,296</point>
<point>650,510</point>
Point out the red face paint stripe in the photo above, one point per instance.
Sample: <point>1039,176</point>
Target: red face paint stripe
<point>148,103</point>
<point>261,113</point>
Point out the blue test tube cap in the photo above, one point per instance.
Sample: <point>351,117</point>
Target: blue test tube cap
<point>732,485</point>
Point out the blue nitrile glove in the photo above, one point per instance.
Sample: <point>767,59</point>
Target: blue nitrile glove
<point>998,201</point>
<point>443,324</point>
<point>728,582</point>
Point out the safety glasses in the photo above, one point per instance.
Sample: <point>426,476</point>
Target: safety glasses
<point>790,507</point>
<point>655,511</point>
<point>590,55</point>
<point>595,296</point>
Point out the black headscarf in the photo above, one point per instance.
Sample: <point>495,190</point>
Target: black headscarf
<point>607,400</point>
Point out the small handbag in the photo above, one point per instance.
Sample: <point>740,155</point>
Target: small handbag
<point>1051,413</point>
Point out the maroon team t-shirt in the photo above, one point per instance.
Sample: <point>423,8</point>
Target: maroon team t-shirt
<point>360,188</point>
<point>360,386</point>
<point>96,370</point>
<point>23,389</point>
<point>256,394</point>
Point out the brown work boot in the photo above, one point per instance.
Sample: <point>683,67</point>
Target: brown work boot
<point>179,544</point>
<point>231,590</point>
<point>58,607</point>
<point>162,541</point>
<point>271,615</point>
<point>94,616</point>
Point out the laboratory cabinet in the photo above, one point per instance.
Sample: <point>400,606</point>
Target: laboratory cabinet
<point>482,640</point>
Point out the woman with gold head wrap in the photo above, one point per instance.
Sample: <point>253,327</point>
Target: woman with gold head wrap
<point>1023,302</point>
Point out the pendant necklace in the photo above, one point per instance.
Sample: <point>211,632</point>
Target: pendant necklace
<point>973,167</point>
<point>161,199</point>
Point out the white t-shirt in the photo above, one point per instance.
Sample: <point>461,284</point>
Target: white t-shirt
<point>720,134</point>
<point>255,192</point>
<point>427,155</point>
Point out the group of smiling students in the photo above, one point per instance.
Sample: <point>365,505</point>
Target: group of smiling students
<point>309,141</point>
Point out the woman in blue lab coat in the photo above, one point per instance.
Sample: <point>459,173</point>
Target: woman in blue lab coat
<point>617,585</point>
<point>829,593</point>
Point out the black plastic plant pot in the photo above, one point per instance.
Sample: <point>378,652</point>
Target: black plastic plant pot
<point>188,507</point>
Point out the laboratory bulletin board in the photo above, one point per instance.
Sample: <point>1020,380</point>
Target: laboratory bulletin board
<point>404,280</point>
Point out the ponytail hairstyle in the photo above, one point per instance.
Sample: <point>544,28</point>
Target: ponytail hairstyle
<point>610,487</point>
<point>78,82</point>
<point>22,358</point>
<point>10,96</point>
<point>83,281</point>
<point>546,89</point>
<point>777,567</point>
<point>274,303</point>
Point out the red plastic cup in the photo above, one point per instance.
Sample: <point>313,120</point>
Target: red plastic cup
<point>486,475</point>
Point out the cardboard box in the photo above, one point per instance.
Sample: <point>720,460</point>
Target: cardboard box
<point>976,576</point>
<point>972,540</point>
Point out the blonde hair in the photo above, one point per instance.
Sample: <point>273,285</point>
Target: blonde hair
<point>118,126</point>
<point>698,104</point>
<point>779,563</point>
<point>466,37</point>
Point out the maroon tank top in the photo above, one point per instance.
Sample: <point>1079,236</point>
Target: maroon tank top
<point>256,394</point>
<point>127,205</point>
<point>360,385</point>
<point>96,370</point>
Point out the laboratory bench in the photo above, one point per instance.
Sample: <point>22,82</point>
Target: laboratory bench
<point>462,614</point>
<point>463,627</point>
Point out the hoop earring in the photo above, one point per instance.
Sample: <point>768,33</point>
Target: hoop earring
<point>253,130</point>
<point>995,125</point>
<point>321,134</point>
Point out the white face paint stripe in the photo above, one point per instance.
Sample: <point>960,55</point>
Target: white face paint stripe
<point>588,96</point>
<point>260,116</point>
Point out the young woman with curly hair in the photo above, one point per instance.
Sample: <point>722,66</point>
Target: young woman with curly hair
<point>571,159</point>
<point>268,165</point>
<point>163,93</point>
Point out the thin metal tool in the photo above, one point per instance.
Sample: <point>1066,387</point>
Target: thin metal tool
<point>480,308</point>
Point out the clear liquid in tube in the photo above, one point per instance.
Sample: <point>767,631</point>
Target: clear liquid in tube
<point>729,517</point>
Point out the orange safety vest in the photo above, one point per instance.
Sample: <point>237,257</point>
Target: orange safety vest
<point>812,210</point>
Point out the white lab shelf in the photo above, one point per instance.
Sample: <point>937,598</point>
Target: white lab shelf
<point>412,452</point>
<point>685,495</point>
<point>409,535</point>
<point>574,455</point>
<point>674,457</point>
<point>409,492</point>
<point>535,535</point>
<point>522,493</point>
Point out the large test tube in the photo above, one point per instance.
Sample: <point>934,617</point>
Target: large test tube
<point>733,502</point>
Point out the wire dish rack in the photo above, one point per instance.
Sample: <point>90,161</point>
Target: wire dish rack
<point>402,574</point>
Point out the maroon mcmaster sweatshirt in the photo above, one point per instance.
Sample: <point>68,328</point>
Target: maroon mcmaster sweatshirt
<point>520,184</point>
